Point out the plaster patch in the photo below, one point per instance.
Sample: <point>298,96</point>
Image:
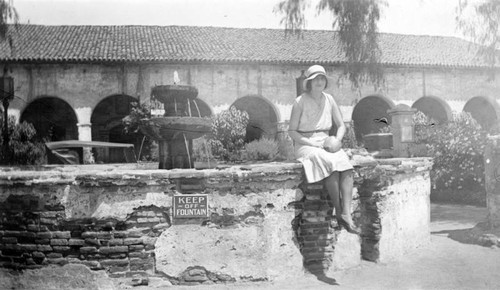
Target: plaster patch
<point>112,207</point>
<point>279,198</point>
<point>260,252</point>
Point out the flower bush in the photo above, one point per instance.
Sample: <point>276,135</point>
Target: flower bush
<point>262,149</point>
<point>457,148</point>
<point>228,134</point>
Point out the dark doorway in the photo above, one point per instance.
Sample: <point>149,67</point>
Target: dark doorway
<point>107,126</point>
<point>485,110</point>
<point>53,119</point>
<point>263,117</point>
<point>367,111</point>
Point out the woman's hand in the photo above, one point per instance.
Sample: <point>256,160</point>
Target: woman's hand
<point>317,143</point>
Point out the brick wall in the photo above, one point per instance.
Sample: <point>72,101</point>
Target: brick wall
<point>390,203</point>
<point>264,222</point>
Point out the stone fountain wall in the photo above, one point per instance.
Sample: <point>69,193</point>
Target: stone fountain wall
<point>264,222</point>
<point>492,180</point>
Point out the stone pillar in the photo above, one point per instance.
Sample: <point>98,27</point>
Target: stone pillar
<point>492,180</point>
<point>84,126</point>
<point>85,131</point>
<point>402,129</point>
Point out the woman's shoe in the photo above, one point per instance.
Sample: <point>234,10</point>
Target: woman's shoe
<point>349,227</point>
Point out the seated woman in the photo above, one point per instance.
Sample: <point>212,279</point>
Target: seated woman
<point>313,114</point>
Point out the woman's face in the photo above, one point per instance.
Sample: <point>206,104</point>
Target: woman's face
<point>318,83</point>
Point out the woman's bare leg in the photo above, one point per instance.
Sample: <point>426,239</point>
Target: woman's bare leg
<point>333,188</point>
<point>346,186</point>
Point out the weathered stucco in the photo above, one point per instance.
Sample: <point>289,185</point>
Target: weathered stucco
<point>264,222</point>
<point>492,180</point>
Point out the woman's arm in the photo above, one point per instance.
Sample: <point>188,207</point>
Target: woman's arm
<point>294,125</point>
<point>339,122</point>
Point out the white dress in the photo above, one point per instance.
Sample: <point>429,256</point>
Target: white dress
<point>315,122</point>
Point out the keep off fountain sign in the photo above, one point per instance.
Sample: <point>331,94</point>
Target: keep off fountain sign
<point>190,206</point>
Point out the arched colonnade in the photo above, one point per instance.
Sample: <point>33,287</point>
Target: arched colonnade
<point>57,120</point>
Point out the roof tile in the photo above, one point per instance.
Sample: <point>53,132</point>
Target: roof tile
<point>215,44</point>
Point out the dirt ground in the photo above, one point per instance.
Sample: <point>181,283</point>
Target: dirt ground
<point>453,260</point>
<point>445,263</point>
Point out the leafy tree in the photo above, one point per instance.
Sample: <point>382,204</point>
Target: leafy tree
<point>356,23</point>
<point>480,21</point>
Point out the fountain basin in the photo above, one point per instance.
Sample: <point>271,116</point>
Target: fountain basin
<point>168,128</point>
<point>181,123</point>
<point>167,93</point>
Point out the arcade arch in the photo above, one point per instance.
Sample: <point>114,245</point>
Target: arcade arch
<point>435,108</point>
<point>485,110</point>
<point>203,107</point>
<point>107,125</point>
<point>263,117</point>
<point>52,118</point>
<point>370,115</point>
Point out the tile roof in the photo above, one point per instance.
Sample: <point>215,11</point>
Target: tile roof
<point>39,43</point>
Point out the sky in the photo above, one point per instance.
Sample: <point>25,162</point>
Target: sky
<point>421,17</point>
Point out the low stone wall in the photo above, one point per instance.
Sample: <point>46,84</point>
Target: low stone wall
<point>492,180</point>
<point>264,222</point>
<point>394,207</point>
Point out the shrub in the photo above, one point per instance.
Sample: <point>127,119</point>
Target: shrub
<point>424,127</point>
<point>349,140</point>
<point>228,134</point>
<point>457,148</point>
<point>25,149</point>
<point>262,149</point>
<point>149,148</point>
<point>286,149</point>
<point>202,150</point>
<point>88,156</point>
<point>132,121</point>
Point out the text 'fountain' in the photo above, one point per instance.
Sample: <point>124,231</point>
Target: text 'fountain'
<point>176,129</point>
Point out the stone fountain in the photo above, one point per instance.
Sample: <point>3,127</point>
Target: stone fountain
<point>176,129</point>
